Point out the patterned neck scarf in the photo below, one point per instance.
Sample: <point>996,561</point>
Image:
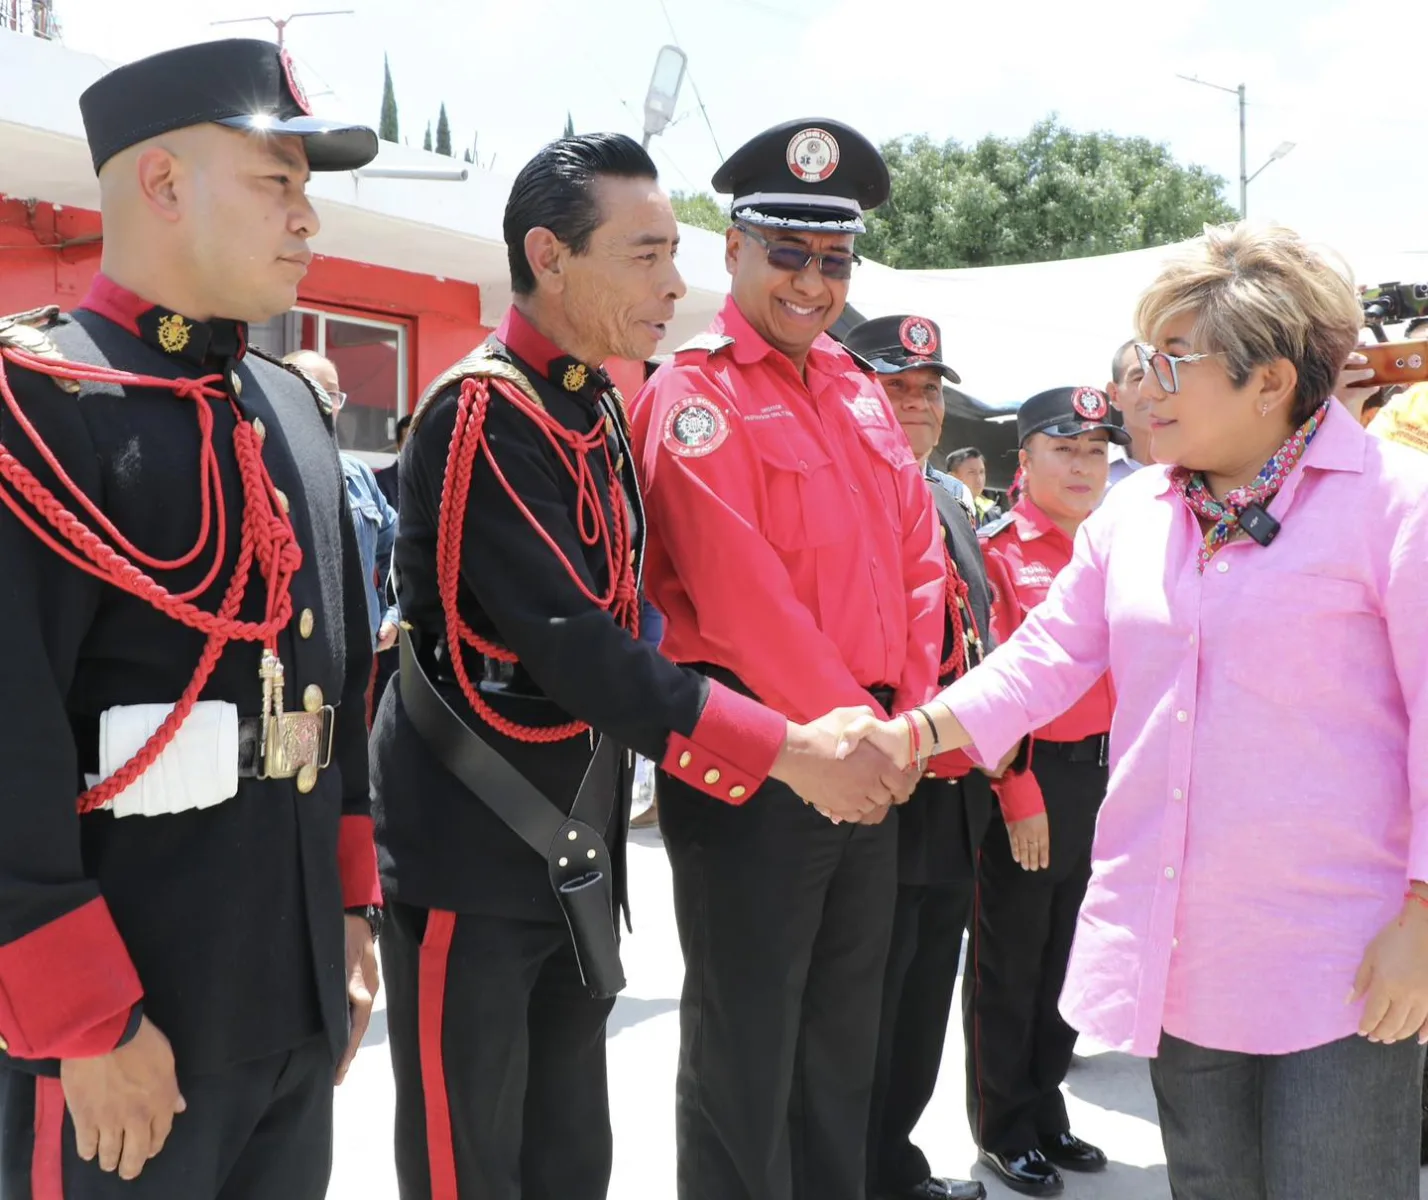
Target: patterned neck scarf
<point>1225,514</point>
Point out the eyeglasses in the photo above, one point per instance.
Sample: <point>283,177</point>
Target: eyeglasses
<point>338,399</point>
<point>1165,366</point>
<point>784,257</point>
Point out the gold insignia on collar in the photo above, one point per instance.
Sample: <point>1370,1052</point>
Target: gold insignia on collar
<point>174,333</point>
<point>575,376</point>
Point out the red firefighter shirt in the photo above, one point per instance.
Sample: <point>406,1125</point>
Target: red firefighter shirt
<point>1024,553</point>
<point>791,536</point>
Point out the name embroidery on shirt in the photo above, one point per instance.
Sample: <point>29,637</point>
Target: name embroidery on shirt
<point>770,412</point>
<point>1037,575</point>
<point>869,411</point>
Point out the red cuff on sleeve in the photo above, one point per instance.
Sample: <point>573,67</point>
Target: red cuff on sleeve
<point>357,863</point>
<point>67,988</point>
<point>1020,796</point>
<point>732,748</point>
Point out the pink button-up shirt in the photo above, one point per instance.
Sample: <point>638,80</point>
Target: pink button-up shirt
<point>1269,753</point>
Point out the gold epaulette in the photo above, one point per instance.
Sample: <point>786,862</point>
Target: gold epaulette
<point>481,363</point>
<point>27,331</point>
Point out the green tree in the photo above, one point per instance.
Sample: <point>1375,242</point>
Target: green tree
<point>700,209</point>
<point>443,133</point>
<point>1052,194</point>
<point>466,154</point>
<point>387,128</point>
<point>569,125</point>
<point>426,141</point>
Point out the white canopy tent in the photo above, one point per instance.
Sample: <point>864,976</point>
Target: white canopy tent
<point>1011,332</point>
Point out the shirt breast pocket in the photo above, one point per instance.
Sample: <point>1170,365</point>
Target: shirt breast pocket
<point>1295,633</point>
<point>806,508</point>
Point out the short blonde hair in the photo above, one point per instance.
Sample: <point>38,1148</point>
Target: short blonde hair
<point>1259,293</point>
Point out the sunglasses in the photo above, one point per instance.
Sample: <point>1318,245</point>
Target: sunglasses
<point>783,257</point>
<point>1165,366</point>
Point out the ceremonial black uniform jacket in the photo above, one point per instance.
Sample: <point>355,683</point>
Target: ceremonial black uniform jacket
<point>439,846</point>
<point>939,829</point>
<point>231,916</point>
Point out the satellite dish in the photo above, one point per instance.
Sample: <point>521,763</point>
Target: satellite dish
<point>665,83</point>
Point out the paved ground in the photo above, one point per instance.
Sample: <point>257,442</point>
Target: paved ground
<point>1109,1094</point>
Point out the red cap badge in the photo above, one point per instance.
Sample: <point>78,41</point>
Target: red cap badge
<point>294,84</point>
<point>1090,403</point>
<point>918,336</point>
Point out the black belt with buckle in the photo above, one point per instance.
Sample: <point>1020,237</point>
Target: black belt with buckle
<point>301,740</point>
<point>1094,749</point>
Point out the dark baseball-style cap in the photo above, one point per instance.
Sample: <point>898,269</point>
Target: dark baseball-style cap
<point>812,174</point>
<point>1066,412</point>
<point>903,343</point>
<point>243,83</point>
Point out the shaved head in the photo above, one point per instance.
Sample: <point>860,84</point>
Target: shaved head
<point>209,221</point>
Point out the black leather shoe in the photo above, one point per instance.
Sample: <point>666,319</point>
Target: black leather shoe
<point>1028,1173</point>
<point>1070,1153</point>
<point>940,1189</point>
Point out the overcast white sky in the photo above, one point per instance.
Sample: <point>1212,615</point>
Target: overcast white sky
<point>1320,73</point>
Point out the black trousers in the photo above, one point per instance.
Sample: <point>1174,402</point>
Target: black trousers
<point>1023,923</point>
<point>499,1056</point>
<point>917,1004</point>
<point>257,1131</point>
<point>784,921</point>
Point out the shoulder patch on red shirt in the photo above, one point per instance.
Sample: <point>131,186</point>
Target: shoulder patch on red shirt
<point>694,426</point>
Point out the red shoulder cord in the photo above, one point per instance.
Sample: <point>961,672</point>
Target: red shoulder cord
<point>621,598</point>
<point>267,536</point>
<point>959,608</point>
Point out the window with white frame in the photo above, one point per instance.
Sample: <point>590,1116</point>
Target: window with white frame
<point>371,357</point>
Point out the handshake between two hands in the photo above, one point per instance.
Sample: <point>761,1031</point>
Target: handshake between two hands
<point>849,765</point>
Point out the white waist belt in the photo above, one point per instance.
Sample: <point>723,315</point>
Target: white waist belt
<point>198,769</point>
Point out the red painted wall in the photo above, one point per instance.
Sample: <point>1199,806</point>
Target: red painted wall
<point>49,255</point>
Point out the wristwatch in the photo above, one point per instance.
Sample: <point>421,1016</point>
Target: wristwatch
<point>373,915</point>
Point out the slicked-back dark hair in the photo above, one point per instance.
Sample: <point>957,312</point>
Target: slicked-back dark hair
<point>957,457</point>
<point>1119,366</point>
<point>556,191</point>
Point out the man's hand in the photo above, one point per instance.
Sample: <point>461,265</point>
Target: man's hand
<point>363,983</point>
<point>845,790</point>
<point>890,737</point>
<point>1393,979</point>
<point>1031,842</point>
<point>123,1103</point>
<point>386,636</point>
<point>1352,386</point>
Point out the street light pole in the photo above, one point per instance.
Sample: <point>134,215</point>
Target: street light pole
<point>1240,92</point>
<point>1244,179</point>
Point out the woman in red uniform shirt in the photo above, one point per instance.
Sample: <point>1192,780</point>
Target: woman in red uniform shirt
<point>1035,866</point>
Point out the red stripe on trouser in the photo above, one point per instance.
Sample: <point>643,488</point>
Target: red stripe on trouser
<point>47,1165</point>
<point>431,1003</point>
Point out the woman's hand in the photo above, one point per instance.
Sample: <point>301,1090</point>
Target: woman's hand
<point>1031,842</point>
<point>1392,979</point>
<point>891,737</point>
